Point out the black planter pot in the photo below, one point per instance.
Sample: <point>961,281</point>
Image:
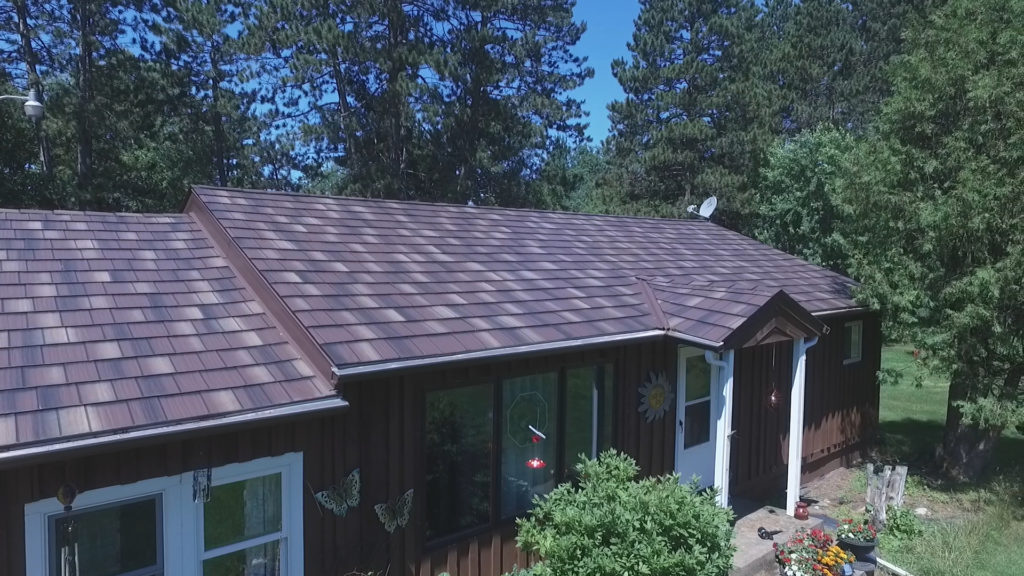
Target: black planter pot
<point>858,548</point>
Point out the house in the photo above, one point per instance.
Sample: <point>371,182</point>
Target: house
<point>272,383</point>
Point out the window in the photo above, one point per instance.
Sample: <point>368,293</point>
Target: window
<point>529,444</point>
<point>852,333</point>
<point>242,527</point>
<point>588,414</point>
<point>459,434</point>
<point>698,402</point>
<point>108,540</point>
<point>539,423</point>
<point>251,526</point>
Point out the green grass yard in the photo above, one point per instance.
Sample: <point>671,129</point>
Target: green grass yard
<point>972,529</point>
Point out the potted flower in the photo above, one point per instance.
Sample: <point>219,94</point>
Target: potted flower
<point>859,538</point>
<point>811,553</point>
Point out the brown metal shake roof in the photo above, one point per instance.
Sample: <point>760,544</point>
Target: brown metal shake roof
<point>114,322</point>
<point>377,281</point>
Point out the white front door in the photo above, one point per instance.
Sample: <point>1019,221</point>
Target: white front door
<point>697,412</point>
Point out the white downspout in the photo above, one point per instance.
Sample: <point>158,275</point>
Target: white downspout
<point>796,421</point>
<point>724,422</point>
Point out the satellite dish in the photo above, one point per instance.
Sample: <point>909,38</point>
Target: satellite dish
<point>706,209</point>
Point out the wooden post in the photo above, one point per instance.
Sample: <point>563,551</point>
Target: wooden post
<point>885,488</point>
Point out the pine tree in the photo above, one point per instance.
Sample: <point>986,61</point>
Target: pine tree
<point>193,38</point>
<point>503,72</point>
<point>694,119</point>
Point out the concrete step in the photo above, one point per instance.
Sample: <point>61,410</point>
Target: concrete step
<point>756,557</point>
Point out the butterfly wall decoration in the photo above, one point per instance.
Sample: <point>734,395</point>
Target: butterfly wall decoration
<point>341,497</point>
<point>395,515</point>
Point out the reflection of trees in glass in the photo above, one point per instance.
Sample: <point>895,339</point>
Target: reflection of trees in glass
<point>459,425</point>
<point>588,389</point>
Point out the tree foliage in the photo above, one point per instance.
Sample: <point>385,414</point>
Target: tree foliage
<point>613,524</point>
<point>692,118</point>
<point>799,206</point>
<point>925,209</point>
<point>946,207</point>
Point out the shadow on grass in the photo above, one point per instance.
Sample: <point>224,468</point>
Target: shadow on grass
<point>914,442</point>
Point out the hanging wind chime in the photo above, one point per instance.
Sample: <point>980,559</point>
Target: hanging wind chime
<point>774,399</point>
<point>69,539</point>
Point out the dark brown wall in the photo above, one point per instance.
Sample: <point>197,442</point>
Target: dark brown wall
<point>384,425</point>
<point>841,407</point>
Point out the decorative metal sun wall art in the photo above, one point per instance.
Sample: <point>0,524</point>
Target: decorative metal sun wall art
<point>656,396</point>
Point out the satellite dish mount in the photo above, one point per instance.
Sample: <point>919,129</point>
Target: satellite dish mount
<point>706,209</point>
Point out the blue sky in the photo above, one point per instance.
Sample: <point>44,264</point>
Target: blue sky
<point>609,27</point>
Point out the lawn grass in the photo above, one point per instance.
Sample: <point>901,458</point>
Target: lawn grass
<point>974,529</point>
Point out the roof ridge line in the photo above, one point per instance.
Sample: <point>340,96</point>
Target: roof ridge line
<point>337,198</point>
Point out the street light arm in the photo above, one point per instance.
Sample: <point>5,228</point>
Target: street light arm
<point>13,97</point>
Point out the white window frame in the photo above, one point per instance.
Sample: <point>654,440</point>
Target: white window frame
<point>181,530</point>
<point>856,336</point>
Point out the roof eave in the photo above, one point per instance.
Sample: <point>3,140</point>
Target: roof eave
<point>361,370</point>
<point>19,456</point>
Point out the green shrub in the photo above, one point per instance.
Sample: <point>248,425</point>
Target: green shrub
<point>612,524</point>
<point>901,524</point>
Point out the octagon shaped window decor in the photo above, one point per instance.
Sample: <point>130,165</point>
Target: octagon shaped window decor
<point>656,396</point>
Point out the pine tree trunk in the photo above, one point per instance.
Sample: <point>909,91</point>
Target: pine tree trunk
<point>83,14</point>
<point>219,139</point>
<point>34,82</point>
<point>967,450</point>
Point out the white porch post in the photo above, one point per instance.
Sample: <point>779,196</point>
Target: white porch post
<point>796,421</point>
<point>723,429</point>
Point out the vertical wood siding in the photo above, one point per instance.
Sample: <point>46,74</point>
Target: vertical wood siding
<point>840,412</point>
<point>384,426</point>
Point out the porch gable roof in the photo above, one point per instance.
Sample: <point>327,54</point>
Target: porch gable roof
<point>732,317</point>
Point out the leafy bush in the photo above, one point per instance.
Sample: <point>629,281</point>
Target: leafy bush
<point>613,524</point>
<point>901,524</point>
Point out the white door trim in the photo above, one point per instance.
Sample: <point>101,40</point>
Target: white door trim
<point>684,353</point>
<point>723,427</point>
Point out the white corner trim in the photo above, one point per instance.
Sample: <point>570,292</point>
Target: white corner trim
<point>796,421</point>
<point>723,427</point>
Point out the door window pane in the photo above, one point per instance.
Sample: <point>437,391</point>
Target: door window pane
<point>698,424</point>
<point>529,442</point>
<point>459,433</point>
<point>242,510</point>
<point>110,540</point>
<point>261,560</point>
<point>698,378</point>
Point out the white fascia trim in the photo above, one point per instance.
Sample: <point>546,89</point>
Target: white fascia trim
<point>694,340</point>
<point>840,311</point>
<point>198,425</point>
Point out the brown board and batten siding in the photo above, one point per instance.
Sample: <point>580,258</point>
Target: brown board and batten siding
<point>841,407</point>
<point>381,434</point>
